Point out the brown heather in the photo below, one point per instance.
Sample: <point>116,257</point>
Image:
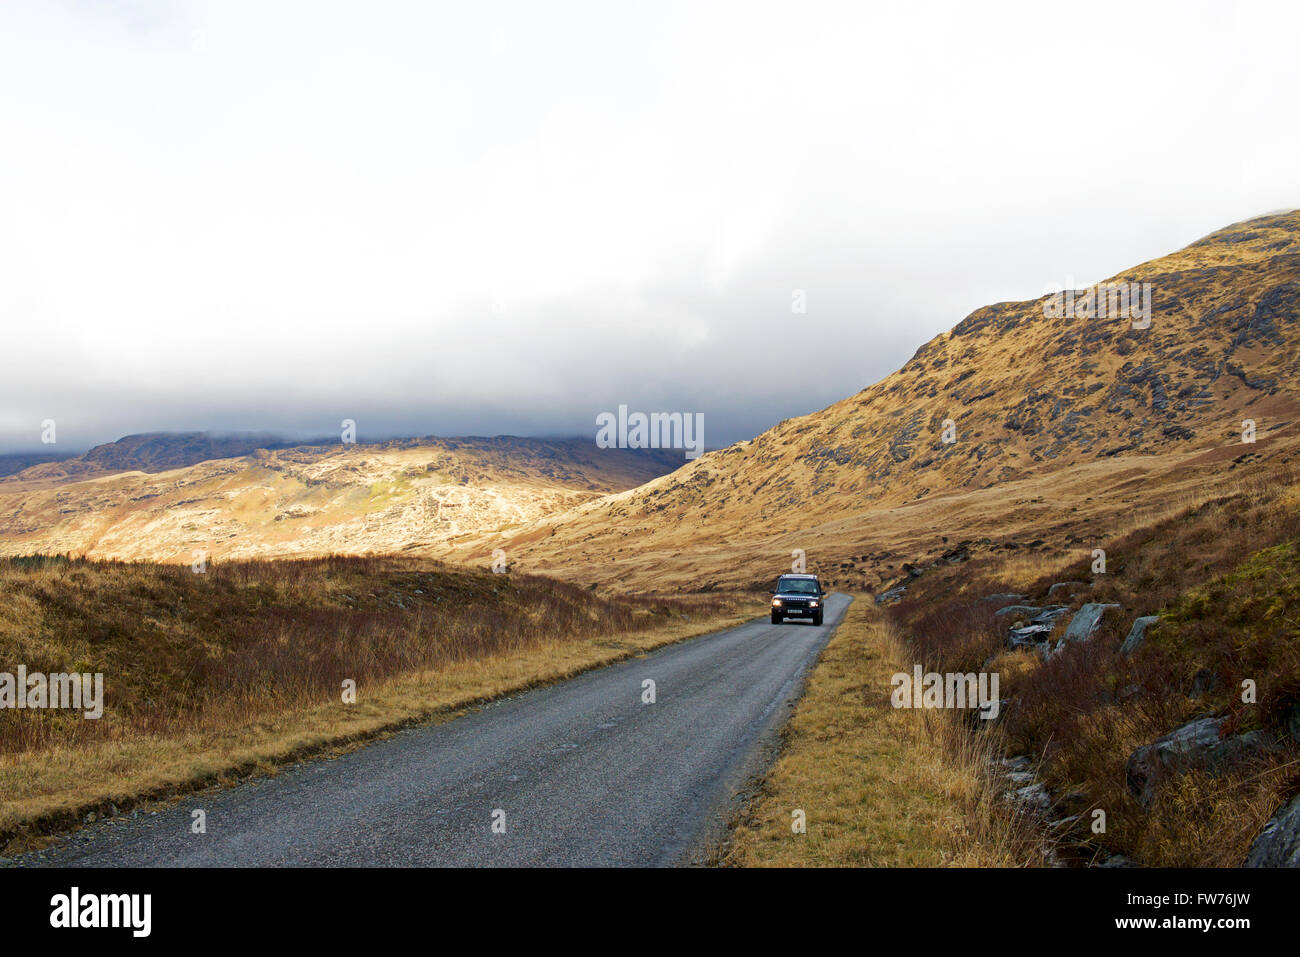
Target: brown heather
<point>1073,433</point>
<point>241,667</point>
<point>182,650</point>
<point>1224,576</point>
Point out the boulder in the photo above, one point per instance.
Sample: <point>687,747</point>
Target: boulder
<point>1084,623</point>
<point>1028,636</point>
<point>1039,629</point>
<point>1182,746</point>
<point>1049,615</point>
<point>1137,634</point>
<point>1198,743</point>
<point>1066,587</point>
<point>1022,611</point>
<point>891,595</point>
<point>1278,845</point>
<point>957,555</point>
<point>1032,799</point>
<point>1000,597</point>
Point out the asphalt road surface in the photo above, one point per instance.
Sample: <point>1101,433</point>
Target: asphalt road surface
<point>581,773</point>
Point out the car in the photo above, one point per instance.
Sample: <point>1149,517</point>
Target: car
<point>798,596</point>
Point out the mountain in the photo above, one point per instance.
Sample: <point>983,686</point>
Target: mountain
<point>408,495</point>
<point>1035,425</point>
<point>1060,425</point>
<point>12,463</point>
<point>152,452</point>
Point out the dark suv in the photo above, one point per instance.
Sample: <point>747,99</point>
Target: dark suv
<point>797,596</point>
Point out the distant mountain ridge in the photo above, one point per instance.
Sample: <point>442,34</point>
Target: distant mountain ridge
<point>11,463</point>
<point>156,452</point>
<point>162,451</point>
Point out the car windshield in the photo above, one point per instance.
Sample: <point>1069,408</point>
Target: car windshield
<point>797,586</point>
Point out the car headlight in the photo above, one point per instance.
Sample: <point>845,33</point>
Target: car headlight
<point>812,604</point>
<point>776,603</point>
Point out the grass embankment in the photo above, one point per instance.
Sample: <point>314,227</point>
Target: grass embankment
<point>879,786</point>
<point>1224,577</point>
<point>211,677</point>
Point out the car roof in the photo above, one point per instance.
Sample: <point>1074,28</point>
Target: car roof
<point>798,576</point>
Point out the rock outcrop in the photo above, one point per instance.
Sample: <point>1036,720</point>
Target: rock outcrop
<point>1197,744</point>
<point>1137,634</point>
<point>1084,623</point>
<point>1278,845</point>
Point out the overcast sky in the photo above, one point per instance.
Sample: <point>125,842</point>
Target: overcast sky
<point>481,218</point>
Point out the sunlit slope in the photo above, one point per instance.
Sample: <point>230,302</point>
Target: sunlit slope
<point>403,496</point>
<point>1058,421</point>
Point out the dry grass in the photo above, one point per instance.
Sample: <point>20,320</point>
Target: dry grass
<point>209,677</point>
<point>1112,427</point>
<point>1223,575</point>
<point>880,786</point>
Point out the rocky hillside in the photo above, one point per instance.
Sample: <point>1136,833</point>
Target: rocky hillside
<point>416,495</point>
<point>1037,406</point>
<point>1028,425</point>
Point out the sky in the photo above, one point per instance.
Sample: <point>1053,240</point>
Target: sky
<point>507,218</point>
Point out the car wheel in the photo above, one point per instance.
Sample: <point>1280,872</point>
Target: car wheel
<point>776,618</point>
<point>817,618</point>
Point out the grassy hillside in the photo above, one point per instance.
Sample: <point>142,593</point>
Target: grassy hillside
<point>407,496</point>
<point>1222,576</point>
<point>887,787</point>
<point>1063,426</point>
<point>242,667</point>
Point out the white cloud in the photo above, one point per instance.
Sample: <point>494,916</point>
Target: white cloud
<point>506,217</point>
